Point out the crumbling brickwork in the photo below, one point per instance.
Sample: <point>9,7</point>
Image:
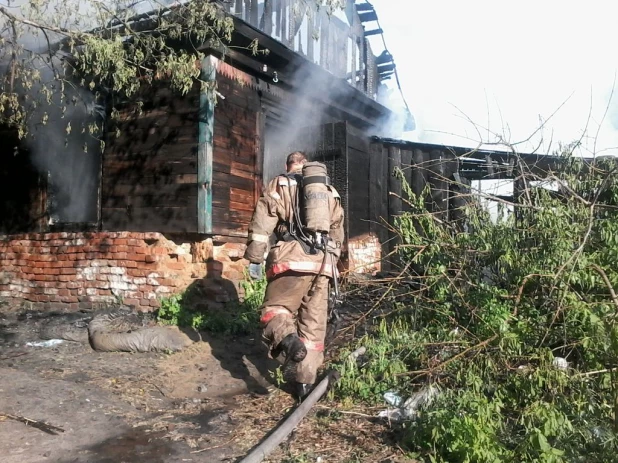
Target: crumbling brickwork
<point>364,254</point>
<point>89,270</point>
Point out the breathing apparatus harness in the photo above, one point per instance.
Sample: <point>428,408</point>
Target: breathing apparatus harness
<point>310,224</point>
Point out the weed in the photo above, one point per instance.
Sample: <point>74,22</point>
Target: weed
<point>489,311</point>
<point>236,318</point>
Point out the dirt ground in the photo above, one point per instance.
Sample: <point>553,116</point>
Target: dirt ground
<point>210,403</point>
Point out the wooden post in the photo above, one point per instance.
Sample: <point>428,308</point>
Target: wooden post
<point>394,197</point>
<point>378,197</point>
<point>324,44</point>
<point>406,167</point>
<point>247,12</point>
<point>310,41</point>
<point>353,58</point>
<point>438,184</point>
<point>519,188</point>
<point>254,13</point>
<point>284,21</point>
<point>268,17</point>
<point>259,156</point>
<point>205,146</point>
<point>278,18</point>
<point>378,192</point>
<point>450,167</point>
<point>419,173</point>
<point>459,197</point>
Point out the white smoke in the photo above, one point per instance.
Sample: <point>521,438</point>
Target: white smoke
<point>61,113</point>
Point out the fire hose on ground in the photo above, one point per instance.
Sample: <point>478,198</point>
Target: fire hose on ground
<point>285,427</point>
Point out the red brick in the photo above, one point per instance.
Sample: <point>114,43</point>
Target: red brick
<point>152,259</point>
<point>137,257</point>
<point>176,266</point>
<point>68,271</point>
<point>126,264</point>
<point>134,302</point>
<point>134,272</point>
<point>121,242</point>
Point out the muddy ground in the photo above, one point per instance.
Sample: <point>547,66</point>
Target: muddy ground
<point>210,403</point>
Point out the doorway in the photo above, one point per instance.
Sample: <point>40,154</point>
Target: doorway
<point>22,189</point>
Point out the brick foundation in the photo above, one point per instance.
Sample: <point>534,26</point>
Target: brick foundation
<point>90,270</point>
<point>364,254</point>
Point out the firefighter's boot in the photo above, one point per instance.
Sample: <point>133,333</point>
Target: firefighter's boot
<point>293,348</point>
<point>302,390</point>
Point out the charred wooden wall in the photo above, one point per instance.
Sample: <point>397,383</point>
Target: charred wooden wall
<point>149,172</point>
<point>359,190</point>
<point>422,167</point>
<point>237,163</point>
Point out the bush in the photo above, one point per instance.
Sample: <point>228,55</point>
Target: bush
<point>489,311</point>
<point>236,318</point>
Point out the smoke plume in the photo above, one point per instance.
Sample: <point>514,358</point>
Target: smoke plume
<point>59,140</point>
<point>312,92</point>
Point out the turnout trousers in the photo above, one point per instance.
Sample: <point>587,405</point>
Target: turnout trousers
<point>289,309</point>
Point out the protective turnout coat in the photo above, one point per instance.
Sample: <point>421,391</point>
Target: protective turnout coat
<point>274,212</point>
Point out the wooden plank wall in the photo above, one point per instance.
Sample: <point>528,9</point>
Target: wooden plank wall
<point>378,191</point>
<point>422,168</point>
<point>358,152</point>
<point>149,172</point>
<point>237,160</point>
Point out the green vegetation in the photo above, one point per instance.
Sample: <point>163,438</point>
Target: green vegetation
<point>236,318</point>
<point>485,314</point>
<point>59,54</point>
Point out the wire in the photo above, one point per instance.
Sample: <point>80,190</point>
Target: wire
<point>393,59</point>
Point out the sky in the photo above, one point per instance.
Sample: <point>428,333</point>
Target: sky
<point>472,69</point>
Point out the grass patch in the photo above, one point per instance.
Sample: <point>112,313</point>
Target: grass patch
<point>237,317</point>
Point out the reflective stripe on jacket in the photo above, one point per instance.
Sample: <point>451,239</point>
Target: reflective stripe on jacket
<point>276,207</point>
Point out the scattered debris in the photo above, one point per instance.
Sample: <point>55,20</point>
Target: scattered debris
<point>560,363</point>
<point>45,427</point>
<point>49,343</point>
<point>202,388</point>
<point>407,410</point>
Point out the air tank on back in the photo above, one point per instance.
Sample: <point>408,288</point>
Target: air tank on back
<point>316,208</point>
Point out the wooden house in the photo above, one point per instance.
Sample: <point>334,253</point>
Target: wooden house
<point>176,185</point>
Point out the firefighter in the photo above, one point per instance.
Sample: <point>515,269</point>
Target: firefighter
<point>299,269</point>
